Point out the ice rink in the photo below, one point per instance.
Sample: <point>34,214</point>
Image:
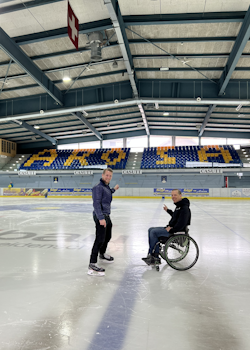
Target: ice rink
<point>49,302</point>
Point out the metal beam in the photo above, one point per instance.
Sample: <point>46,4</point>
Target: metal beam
<point>87,123</point>
<point>113,8</point>
<point>118,23</point>
<point>206,119</point>
<point>27,4</point>
<point>6,75</point>
<point>186,18</point>
<point>84,28</point>
<point>129,103</point>
<point>25,125</point>
<point>236,52</point>
<point>110,73</point>
<point>92,76</point>
<point>184,68</point>
<point>183,56</point>
<point>185,40</point>
<point>193,133</point>
<point>13,51</point>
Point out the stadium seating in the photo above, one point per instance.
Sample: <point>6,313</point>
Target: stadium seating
<point>180,156</point>
<point>48,159</point>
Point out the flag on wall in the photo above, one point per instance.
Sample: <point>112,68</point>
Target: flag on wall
<point>73,26</point>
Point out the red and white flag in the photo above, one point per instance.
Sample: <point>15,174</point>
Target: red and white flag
<point>73,26</point>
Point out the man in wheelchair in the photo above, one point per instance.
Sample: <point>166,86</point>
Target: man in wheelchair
<point>180,218</point>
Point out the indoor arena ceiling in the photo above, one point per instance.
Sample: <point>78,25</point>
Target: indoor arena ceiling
<point>164,68</point>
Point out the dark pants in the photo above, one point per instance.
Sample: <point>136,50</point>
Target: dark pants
<point>103,236</point>
<point>153,237</point>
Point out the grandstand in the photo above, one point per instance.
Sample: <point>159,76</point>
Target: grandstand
<point>51,159</point>
<point>189,156</point>
<point>116,158</point>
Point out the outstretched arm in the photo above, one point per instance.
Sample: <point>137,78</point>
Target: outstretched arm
<point>169,211</point>
<point>115,188</point>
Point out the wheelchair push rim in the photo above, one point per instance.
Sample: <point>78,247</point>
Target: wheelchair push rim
<point>181,252</point>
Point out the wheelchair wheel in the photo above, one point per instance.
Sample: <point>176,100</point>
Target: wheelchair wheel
<point>181,252</point>
<point>162,251</point>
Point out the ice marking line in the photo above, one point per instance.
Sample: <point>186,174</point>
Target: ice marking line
<point>112,329</point>
<point>26,221</point>
<point>237,234</point>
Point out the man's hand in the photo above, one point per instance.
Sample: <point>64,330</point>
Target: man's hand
<point>165,207</point>
<point>168,228</point>
<point>116,187</point>
<point>102,222</point>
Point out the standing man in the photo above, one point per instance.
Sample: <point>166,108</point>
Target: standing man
<point>102,198</point>
<point>181,218</point>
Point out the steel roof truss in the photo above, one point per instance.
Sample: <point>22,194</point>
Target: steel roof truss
<point>118,23</point>
<point>236,53</point>
<point>25,125</point>
<point>17,55</point>
<point>87,123</point>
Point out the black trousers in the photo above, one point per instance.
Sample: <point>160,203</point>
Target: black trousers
<point>103,236</point>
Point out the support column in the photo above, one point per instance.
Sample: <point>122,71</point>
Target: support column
<point>173,140</point>
<point>148,140</point>
<point>199,140</point>
<point>124,142</point>
<point>101,144</point>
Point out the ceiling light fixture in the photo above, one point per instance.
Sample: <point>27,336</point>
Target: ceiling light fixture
<point>165,114</point>
<point>164,68</point>
<point>66,76</point>
<point>66,79</point>
<point>36,127</point>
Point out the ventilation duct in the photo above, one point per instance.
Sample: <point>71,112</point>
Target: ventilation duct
<point>96,40</point>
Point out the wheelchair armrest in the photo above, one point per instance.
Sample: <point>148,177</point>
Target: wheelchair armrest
<point>185,231</point>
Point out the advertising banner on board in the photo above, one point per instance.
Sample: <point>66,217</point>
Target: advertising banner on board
<point>240,192</point>
<point>35,192</point>
<point>199,192</point>
<point>32,192</point>
<point>70,192</point>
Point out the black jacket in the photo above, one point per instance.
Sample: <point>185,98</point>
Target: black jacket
<point>181,217</point>
<point>102,198</point>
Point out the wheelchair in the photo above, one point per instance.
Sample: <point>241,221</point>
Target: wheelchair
<point>180,251</point>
